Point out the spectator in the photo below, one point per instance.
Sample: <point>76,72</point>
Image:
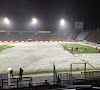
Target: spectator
<point>20,73</point>
<point>46,83</point>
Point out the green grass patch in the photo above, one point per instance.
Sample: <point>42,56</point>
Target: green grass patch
<point>3,47</point>
<point>81,48</point>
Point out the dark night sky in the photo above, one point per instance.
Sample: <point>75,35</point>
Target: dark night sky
<point>49,11</point>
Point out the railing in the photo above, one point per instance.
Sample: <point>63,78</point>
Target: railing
<point>16,82</point>
<point>66,79</point>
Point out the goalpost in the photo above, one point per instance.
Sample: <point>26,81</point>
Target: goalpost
<point>77,65</point>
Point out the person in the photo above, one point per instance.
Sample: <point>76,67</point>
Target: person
<point>72,49</point>
<point>77,48</point>
<point>99,50</point>
<point>96,48</point>
<point>64,47</point>
<point>11,73</point>
<point>46,83</point>
<point>20,73</point>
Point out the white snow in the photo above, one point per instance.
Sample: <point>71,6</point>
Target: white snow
<point>41,56</point>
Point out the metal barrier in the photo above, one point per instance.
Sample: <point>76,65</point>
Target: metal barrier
<point>66,79</point>
<point>16,82</point>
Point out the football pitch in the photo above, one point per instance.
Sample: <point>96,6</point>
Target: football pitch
<point>37,58</point>
<point>82,49</point>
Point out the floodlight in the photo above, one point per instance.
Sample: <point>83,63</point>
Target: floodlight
<point>6,20</point>
<point>34,20</point>
<point>62,22</point>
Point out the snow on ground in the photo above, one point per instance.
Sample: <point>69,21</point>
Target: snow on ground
<point>40,56</point>
<point>93,59</point>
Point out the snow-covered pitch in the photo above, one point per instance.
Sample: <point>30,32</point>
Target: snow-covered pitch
<point>41,56</point>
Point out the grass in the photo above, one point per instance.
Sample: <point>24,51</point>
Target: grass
<point>3,47</point>
<point>81,48</point>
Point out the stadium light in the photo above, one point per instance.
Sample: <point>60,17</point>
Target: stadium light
<point>62,22</point>
<point>6,20</point>
<point>34,20</point>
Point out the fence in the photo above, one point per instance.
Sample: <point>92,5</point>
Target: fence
<point>66,79</point>
<point>16,83</point>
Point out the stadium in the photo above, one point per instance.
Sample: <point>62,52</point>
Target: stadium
<point>37,53</point>
<point>66,53</point>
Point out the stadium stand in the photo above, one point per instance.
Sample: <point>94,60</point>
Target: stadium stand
<point>75,34</point>
<point>81,36</point>
<point>35,37</point>
<point>93,36</point>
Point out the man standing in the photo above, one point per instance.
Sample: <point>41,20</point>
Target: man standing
<point>20,73</point>
<point>11,73</point>
<point>72,49</point>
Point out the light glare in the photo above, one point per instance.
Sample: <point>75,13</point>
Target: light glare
<point>9,69</point>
